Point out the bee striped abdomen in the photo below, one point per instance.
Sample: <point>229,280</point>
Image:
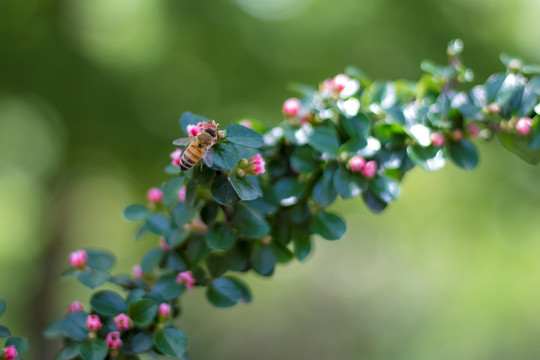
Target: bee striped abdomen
<point>190,156</point>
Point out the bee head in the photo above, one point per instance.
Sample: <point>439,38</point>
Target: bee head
<point>211,131</point>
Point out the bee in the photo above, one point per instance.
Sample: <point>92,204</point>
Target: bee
<point>198,146</point>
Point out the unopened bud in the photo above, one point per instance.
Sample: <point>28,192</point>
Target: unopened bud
<point>221,134</point>
<point>493,109</point>
<point>514,65</point>
<point>524,126</point>
<point>266,240</point>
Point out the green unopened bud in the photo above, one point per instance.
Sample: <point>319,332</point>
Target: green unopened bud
<point>514,65</point>
<point>493,109</point>
<point>221,134</point>
<point>243,163</point>
<point>266,240</point>
<point>240,173</point>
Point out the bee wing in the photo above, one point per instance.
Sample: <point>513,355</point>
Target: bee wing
<point>208,157</point>
<point>182,141</point>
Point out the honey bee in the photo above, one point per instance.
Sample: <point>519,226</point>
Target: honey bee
<point>198,146</point>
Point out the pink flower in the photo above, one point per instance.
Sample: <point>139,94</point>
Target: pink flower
<point>326,85</point>
<point>357,163</point>
<point>78,259</point>
<point>291,107</point>
<point>93,322</point>
<point>76,306</point>
<point>187,279</point>
<point>473,130</point>
<point>10,352</point>
<point>257,165</point>
<point>154,195</point>
<point>137,272</point>
<point>458,135</point>
<point>339,82</point>
<point>194,130</point>
<point>122,321</point>
<point>182,194</point>
<point>164,311</point>
<point>163,244</point>
<point>246,123</point>
<point>524,126</point>
<point>437,139</point>
<point>113,340</point>
<point>370,169</point>
<point>176,155</point>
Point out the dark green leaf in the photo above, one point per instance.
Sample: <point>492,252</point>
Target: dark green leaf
<point>141,342</point>
<point>241,135</point>
<point>176,237</point>
<point>135,295</point>
<point>71,351</point>
<point>21,344</point>
<point>108,303</point>
<point>171,342</point>
<point>303,160</point>
<point>54,329</point>
<point>196,250</point>
<point>328,225</point>
<point>225,157</point>
<point>263,259</point>
<point>520,146</point>
<point>142,311</point>
<point>221,238</point>
<point>100,259</point>
<point>282,252</point>
<point>223,292</point>
<point>209,213</point>
<point>373,202</point>
<point>249,224</point>
<point>158,224</point>
<point>301,242</point>
<point>288,190</point>
<point>325,140</point>
<point>4,332</point>
<point>244,189</point>
<point>136,212</point>
<point>94,349</point>
<point>244,289</point>
<point>151,260</point>
<point>347,184</point>
<point>175,262</point>
<point>385,188</point>
<point>223,192</point>
<point>324,192</point>
<point>167,287</point>
<point>357,127</point>
<point>463,154</point>
<point>92,278</point>
<point>190,119</point>
<point>2,306</point>
<point>428,158</point>
<point>171,189</point>
<point>74,326</point>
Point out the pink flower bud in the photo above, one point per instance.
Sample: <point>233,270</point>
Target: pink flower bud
<point>524,126</point>
<point>182,194</point>
<point>78,259</point>
<point>326,85</point>
<point>10,352</point>
<point>137,272</point>
<point>163,244</point>
<point>122,321</point>
<point>473,130</point>
<point>357,163</point>
<point>220,135</point>
<point>187,279</point>
<point>154,195</point>
<point>291,107</point>
<point>246,123</point>
<point>256,165</point>
<point>370,169</point>
<point>76,306</point>
<point>198,225</point>
<point>458,135</point>
<point>339,82</point>
<point>113,340</point>
<point>176,156</point>
<point>494,108</point>
<point>437,139</point>
<point>164,311</point>
<point>93,322</point>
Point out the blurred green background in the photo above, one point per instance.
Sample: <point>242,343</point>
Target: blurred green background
<point>90,95</point>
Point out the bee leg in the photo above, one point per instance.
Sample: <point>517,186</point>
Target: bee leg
<point>201,164</point>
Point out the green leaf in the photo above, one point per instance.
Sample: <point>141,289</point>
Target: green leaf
<point>501,87</point>
<point>54,330</point>
<point>175,262</point>
<point>158,224</point>
<point>176,237</point>
<point>288,190</point>
<point>108,303</point>
<point>142,312</point>
<point>140,342</point>
<point>171,342</point>
<point>167,287</point>
<point>385,188</point>
<point>303,160</point>
<point>4,332</point>
<point>221,238</point>
<point>241,135</point>
<point>244,189</point>
<point>223,292</point>
<point>428,158</point>
<point>520,146</point>
<point>21,344</point>
<point>324,193</point>
<point>100,259</point>
<point>196,250</point>
<point>373,202</point>
<point>301,241</point>
<point>92,278</point>
<point>225,157</point>
<point>357,127</point>
<point>328,225</point>
<point>71,351</point>
<point>282,252</point>
<point>74,326</point>
<point>463,154</point>
<point>348,184</point>
<point>188,118</point>
<point>151,260</point>
<point>2,306</point>
<point>249,224</point>
<point>245,296</point>
<point>171,188</point>
<point>94,349</point>
<point>182,214</point>
<point>263,259</point>
<point>136,212</point>
<point>325,140</point>
<point>223,192</point>
<point>135,295</point>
